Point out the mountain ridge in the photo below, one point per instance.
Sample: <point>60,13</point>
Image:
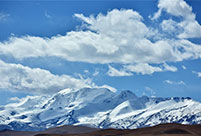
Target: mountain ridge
<point>99,108</point>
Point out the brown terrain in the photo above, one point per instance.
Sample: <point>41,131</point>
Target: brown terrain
<point>159,130</point>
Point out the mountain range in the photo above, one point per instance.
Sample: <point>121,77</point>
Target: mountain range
<point>99,108</point>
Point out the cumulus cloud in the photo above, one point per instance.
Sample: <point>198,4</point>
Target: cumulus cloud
<point>174,82</point>
<point>113,24</point>
<point>139,68</point>
<point>147,69</point>
<point>187,27</point>
<point>143,68</point>
<point>176,8</point>
<point>119,36</point>
<point>191,29</point>
<point>114,72</point>
<point>169,68</point>
<point>106,40</point>
<point>170,26</point>
<point>17,77</point>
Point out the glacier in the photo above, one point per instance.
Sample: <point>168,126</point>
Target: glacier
<point>97,107</point>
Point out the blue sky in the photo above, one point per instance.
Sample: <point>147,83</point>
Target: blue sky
<point>150,47</point>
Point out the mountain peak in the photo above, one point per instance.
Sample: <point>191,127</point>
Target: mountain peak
<point>127,94</point>
<point>65,91</point>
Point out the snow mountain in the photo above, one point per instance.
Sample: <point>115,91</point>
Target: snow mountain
<point>97,107</point>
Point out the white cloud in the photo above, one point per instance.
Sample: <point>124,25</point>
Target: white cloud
<point>95,48</point>
<point>169,68</point>
<point>113,24</point>
<point>112,42</point>
<point>3,16</point>
<point>188,27</point>
<point>108,39</point>
<point>183,29</point>
<point>197,73</point>
<point>16,77</point>
<point>143,69</point>
<point>140,68</point>
<point>174,82</point>
<point>147,69</point>
<point>170,26</point>
<point>176,8</point>
<point>156,15</point>
<point>191,29</point>
<point>114,72</point>
<point>120,37</point>
<point>184,67</point>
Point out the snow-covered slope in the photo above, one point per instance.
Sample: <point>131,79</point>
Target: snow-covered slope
<point>97,107</point>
